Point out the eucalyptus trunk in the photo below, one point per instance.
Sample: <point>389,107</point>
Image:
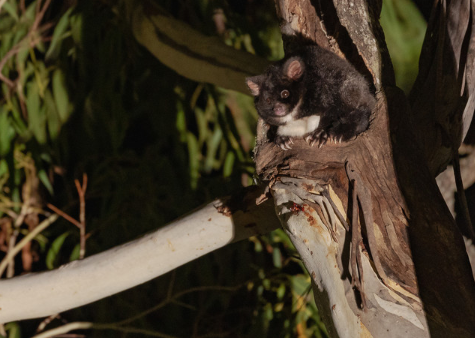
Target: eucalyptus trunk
<point>383,250</point>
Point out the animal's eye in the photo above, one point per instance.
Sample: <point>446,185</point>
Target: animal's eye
<point>284,94</point>
<point>268,100</point>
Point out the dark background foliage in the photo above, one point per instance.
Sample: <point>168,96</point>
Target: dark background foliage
<point>81,96</point>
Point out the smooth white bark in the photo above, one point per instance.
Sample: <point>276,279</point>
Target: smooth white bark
<point>120,268</point>
<point>333,290</point>
<point>190,53</point>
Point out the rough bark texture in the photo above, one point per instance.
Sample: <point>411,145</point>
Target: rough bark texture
<point>446,179</point>
<point>419,282</point>
<point>442,98</point>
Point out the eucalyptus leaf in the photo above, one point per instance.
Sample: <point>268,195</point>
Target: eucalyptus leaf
<point>281,291</point>
<point>7,42</point>
<point>61,95</point>
<point>202,123</point>
<point>52,116</point>
<point>193,156</point>
<point>300,284</point>
<point>213,144</point>
<point>268,312</point>
<point>228,164</point>
<point>75,253</point>
<point>17,120</point>
<point>180,123</point>
<point>30,12</point>
<point>7,132</point>
<point>19,32</point>
<point>22,56</point>
<point>277,257</point>
<point>76,28</point>
<point>10,8</point>
<point>3,169</point>
<point>13,330</point>
<point>53,252</point>
<point>36,113</point>
<point>45,180</point>
<point>42,241</point>
<point>59,34</point>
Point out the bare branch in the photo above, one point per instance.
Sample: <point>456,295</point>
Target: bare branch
<point>12,253</point>
<point>190,53</point>
<point>64,215</point>
<point>81,282</point>
<point>82,214</point>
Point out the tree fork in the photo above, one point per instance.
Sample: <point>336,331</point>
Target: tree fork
<point>420,284</point>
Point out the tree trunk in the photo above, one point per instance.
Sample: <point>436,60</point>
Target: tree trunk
<point>402,269</point>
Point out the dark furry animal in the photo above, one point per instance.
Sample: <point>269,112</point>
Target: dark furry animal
<point>313,94</point>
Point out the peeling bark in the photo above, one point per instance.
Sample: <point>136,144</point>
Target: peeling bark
<point>413,275</point>
<point>446,179</point>
<point>443,96</point>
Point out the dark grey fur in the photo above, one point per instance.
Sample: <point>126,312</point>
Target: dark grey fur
<point>325,85</point>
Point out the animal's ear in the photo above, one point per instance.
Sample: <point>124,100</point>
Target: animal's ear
<point>293,68</point>
<point>254,84</point>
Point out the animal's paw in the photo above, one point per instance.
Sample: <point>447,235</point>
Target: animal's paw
<point>321,137</point>
<point>285,142</point>
<point>317,137</point>
<point>335,138</point>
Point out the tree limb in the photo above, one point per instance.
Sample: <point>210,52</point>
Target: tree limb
<point>81,282</point>
<point>190,53</point>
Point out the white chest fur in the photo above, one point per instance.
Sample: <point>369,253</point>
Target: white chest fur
<point>300,127</point>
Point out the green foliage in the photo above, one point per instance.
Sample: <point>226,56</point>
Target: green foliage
<point>7,133</point>
<point>13,330</point>
<point>404,28</point>
<point>52,255</point>
<point>85,98</point>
